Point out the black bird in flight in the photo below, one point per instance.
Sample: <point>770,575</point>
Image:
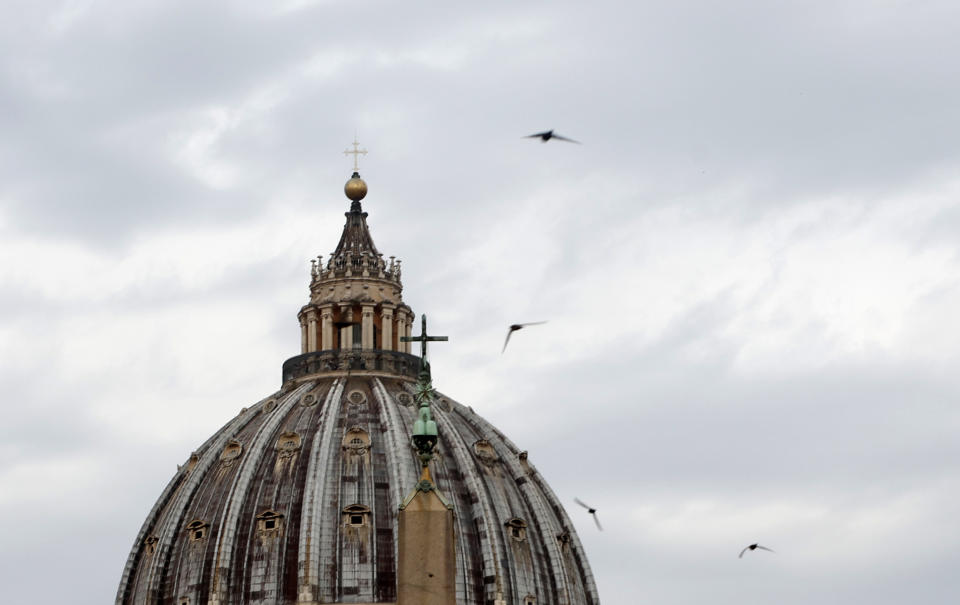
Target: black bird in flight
<point>515,327</point>
<point>590,510</point>
<point>754,547</point>
<point>547,135</point>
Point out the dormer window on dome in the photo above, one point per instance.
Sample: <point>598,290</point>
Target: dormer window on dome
<point>517,529</point>
<point>269,524</point>
<point>197,530</point>
<point>356,515</point>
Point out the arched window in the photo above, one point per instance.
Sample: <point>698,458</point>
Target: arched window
<point>517,529</point>
<point>231,452</point>
<point>197,530</point>
<point>356,441</point>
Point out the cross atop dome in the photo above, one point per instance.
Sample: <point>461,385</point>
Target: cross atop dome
<point>356,153</point>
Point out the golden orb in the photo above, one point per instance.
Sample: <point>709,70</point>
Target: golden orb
<point>355,188</point>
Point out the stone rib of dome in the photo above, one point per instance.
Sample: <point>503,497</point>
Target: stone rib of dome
<point>295,501</point>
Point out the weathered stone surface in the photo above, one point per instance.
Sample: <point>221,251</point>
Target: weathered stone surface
<point>328,461</point>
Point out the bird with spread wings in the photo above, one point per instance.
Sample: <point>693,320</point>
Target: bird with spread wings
<point>754,547</point>
<point>515,327</point>
<point>549,134</point>
<point>590,510</point>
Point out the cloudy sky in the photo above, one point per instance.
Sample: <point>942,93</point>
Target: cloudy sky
<point>749,267</point>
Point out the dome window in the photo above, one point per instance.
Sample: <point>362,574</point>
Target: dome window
<point>231,452</point>
<point>270,405</point>
<point>485,452</point>
<point>356,515</point>
<point>150,544</point>
<point>517,528</point>
<point>529,600</point>
<point>404,398</point>
<point>197,530</point>
<point>356,441</point>
<point>288,444</point>
<point>308,400</point>
<point>269,524</point>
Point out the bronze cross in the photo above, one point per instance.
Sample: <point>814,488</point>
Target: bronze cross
<point>356,153</point>
<point>423,338</point>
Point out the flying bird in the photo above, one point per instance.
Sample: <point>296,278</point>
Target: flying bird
<point>754,547</point>
<point>515,327</point>
<point>590,510</point>
<point>547,135</point>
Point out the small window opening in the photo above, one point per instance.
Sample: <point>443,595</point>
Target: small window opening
<point>270,524</point>
<point>197,529</point>
<point>517,528</point>
<point>356,515</point>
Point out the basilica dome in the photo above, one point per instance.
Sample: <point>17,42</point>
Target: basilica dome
<point>300,497</point>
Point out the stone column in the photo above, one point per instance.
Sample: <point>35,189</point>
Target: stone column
<point>311,330</point>
<point>303,336</point>
<point>346,334</point>
<point>401,331</point>
<point>386,324</point>
<point>366,327</point>
<point>326,328</point>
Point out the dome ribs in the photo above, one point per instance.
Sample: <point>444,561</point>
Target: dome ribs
<point>357,558</point>
<point>153,581</point>
<point>249,463</point>
<point>312,586</point>
<point>542,507</point>
<point>398,471</point>
<point>590,596</point>
<point>451,480</point>
<point>480,513</point>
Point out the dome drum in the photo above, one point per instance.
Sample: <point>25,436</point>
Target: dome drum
<point>338,361</point>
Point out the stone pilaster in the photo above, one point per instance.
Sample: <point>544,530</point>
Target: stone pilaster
<point>386,324</point>
<point>366,327</point>
<point>326,328</point>
<point>311,330</point>
<point>346,334</point>
<point>403,347</point>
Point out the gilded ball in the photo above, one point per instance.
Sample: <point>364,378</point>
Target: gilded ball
<point>355,189</point>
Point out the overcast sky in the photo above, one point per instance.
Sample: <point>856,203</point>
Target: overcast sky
<point>749,267</point>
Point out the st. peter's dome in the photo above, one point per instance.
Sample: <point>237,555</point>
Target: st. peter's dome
<point>300,497</point>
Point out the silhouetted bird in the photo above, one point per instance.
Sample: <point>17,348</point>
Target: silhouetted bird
<point>590,510</point>
<point>516,327</point>
<point>754,547</point>
<point>546,136</point>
